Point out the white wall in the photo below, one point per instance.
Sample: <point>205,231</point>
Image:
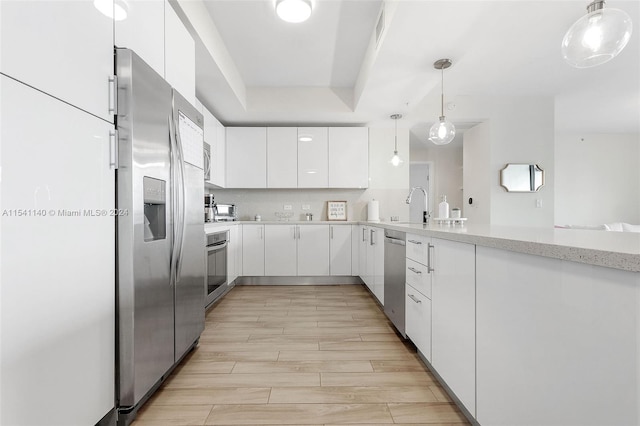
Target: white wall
<point>477,174</point>
<point>521,130</point>
<point>597,179</point>
<point>387,184</point>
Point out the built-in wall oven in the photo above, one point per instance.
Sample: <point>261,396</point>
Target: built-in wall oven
<point>216,251</point>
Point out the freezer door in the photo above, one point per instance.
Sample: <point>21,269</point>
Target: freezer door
<point>144,292</point>
<point>190,264</point>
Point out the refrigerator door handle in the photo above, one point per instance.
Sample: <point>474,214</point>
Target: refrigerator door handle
<point>182,203</point>
<point>174,209</point>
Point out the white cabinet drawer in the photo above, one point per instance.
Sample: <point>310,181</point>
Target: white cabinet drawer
<point>418,320</point>
<point>419,277</point>
<point>417,247</point>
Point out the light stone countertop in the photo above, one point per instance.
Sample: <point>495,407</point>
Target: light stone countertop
<point>618,250</point>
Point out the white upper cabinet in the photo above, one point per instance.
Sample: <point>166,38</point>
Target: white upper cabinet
<point>246,157</point>
<point>340,249</point>
<point>180,55</point>
<point>143,31</point>
<point>348,157</point>
<point>313,157</point>
<point>63,48</point>
<point>282,157</point>
<point>219,162</point>
<point>214,135</point>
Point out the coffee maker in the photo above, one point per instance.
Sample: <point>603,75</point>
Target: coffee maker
<point>209,210</point>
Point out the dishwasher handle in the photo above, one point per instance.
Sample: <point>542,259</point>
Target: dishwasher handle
<point>397,241</point>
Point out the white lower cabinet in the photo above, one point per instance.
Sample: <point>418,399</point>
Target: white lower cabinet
<point>418,320</point>
<point>355,250</point>
<point>313,250</point>
<point>557,341</point>
<point>232,253</point>
<point>253,250</point>
<point>58,260</point>
<point>296,250</point>
<point>363,247</point>
<point>340,249</point>
<point>453,339</point>
<point>372,260</point>
<point>377,240</point>
<point>281,250</point>
<point>440,310</point>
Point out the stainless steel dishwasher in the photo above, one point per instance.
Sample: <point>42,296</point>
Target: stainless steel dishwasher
<point>394,277</point>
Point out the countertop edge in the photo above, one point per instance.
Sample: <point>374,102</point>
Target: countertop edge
<point>616,259</point>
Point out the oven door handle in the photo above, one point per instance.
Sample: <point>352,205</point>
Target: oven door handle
<point>217,247</point>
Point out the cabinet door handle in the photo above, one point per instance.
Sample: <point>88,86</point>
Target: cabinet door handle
<point>260,232</point>
<point>429,268</point>
<point>364,234</point>
<point>295,228</point>
<point>331,232</point>
<point>415,242</point>
<point>372,241</point>
<point>113,149</point>
<point>113,95</point>
<point>414,270</point>
<point>415,299</point>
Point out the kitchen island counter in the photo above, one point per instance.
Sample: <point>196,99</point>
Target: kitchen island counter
<point>618,250</point>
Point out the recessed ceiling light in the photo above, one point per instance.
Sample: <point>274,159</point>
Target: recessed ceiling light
<point>305,138</point>
<point>116,10</point>
<point>293,10</point>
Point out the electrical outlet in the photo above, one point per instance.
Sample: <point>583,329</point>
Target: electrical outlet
<point>306,207</point>
<point>538,203</point>
<point>287,207</point>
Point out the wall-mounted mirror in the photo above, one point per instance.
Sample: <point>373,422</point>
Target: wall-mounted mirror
<point>521,177</point>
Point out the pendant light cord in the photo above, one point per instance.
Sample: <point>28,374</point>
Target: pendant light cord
<point>396,135</point>
<point>442,92</point>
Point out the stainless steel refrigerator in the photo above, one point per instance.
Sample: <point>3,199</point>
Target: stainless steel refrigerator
<point>160,230</point>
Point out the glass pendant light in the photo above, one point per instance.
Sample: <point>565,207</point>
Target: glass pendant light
<point>294,11</point>
<point>597,37</point>
<point>442,132</point>
<point>396,160</point>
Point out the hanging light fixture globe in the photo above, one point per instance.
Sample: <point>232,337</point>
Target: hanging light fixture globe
<point>442,132</point>
<point>597,37</point>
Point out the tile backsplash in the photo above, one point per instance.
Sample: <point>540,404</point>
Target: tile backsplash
<point>266,202</point>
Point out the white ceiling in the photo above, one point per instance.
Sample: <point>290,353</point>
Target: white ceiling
<point>328,71</point>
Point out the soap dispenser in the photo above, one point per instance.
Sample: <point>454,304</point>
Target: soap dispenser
<point>443,208</point>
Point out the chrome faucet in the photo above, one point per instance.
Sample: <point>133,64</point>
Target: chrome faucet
<point>425,212</point>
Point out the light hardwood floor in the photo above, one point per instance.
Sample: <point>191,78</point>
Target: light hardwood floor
<point>299,355</point>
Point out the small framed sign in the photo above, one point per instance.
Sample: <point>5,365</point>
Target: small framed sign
<point>336,210</point>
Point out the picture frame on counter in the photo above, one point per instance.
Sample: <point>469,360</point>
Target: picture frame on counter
<point>336,210</point>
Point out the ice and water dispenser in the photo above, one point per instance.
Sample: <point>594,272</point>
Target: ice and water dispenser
<point>155,200</point>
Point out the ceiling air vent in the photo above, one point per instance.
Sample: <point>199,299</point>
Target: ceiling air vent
<point>380,27</point>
